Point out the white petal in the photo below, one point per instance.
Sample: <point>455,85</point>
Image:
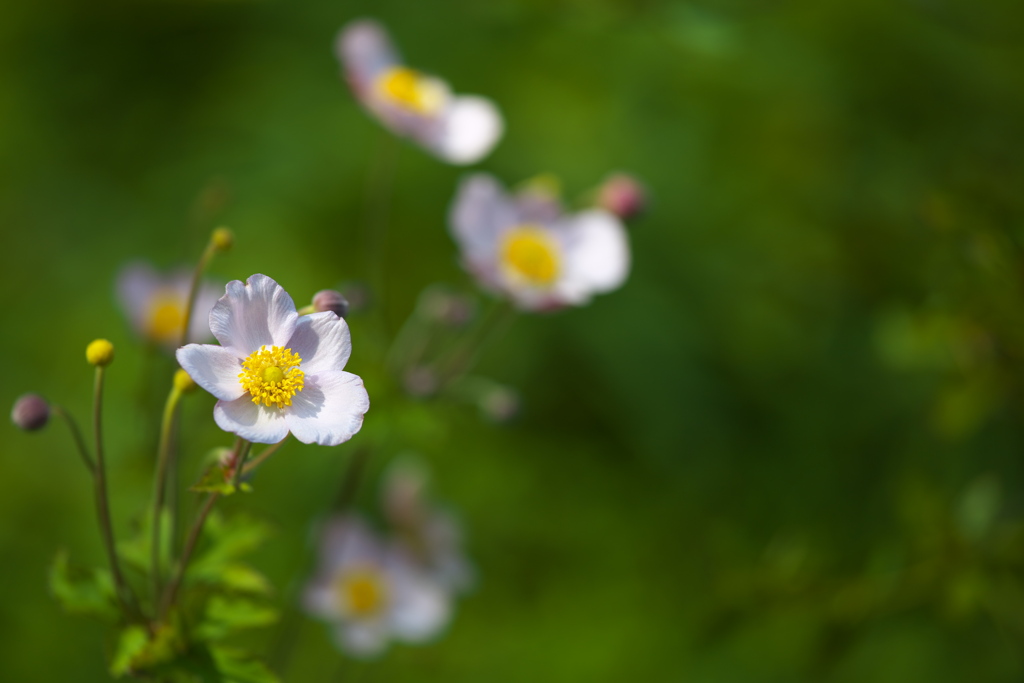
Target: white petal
<point>319,599</point>
<point>420,607</point>
<point>258,313</point>
<point>596,257</point>
<point>322,341</point>
<point>347,540</point>
<point>329,410</point>
<point>259,424</point>
<point>199,325</point>
<point>214,368</point>
<point>363,638</point>
<point>136,284</point>
<point>472,126</point>
<point>364,49</point>
<point>480,212</point>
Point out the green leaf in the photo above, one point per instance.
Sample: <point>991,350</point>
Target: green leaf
<point>138,650</point>
<point>224,616</point>
<point>244,579</point>
<point>83,591</point>
<point>216,480</point>
<point>237,667</point>
<point>228,540</point>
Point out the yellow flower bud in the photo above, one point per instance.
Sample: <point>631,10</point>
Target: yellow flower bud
<point>222,239</point>
<point>182,381</point>
<point>100,352</point>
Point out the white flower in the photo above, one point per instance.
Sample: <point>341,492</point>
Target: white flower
<point>370,593</point>
<point>459,129</point>
<point>429,536</point>
<point>525,247</point>
<point>275,371</point>
<point>155,303</point>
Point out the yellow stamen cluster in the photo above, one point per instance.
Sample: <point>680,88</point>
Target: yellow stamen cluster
<point>529,253</point>
<point>408,88</point>
<point>272,376</point>
<point>166,316</point>
<point>360,592</point>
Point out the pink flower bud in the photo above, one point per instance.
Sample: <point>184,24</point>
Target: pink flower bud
<point>330,300</point>
<point>622,195</point>
<point>31,412</point>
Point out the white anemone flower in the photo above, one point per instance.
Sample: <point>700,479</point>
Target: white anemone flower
<point>528,249</point>
<point>459,129</point>
<point>275,371</point>
<point>371,594</point>
<point>155,304</point>
<point>429,535</point>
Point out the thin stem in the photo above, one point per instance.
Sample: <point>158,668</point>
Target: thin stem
<point>171,593</point>
<point>193,289</point>
<point>76,434</point>
<point>352,479</point>
<point>262,457</point>
<point>379,190</point>
<point>124,594</point>
<point>163,458</point>
<point>240,462</point>
<point>186,554</point>
<point>462,359</point>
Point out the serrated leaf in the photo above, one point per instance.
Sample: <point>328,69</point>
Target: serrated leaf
<point>138,650</point>
<point>227,540</point>
<point>225,616</point>
<point>237,667</point>
<point>244,579</point>
<point>83,591</point>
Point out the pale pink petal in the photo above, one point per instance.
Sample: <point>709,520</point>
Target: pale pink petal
<point>596,256</point>
<point>322,341</point>
<point>214,368</point>
<point>206,299</point>
<point>365,638</point>
<point>479,214</point>
<point>255,314</point>
<point>329,410</point>
<point>420,607</point>
<point>472,126</point>
<point>364,50</point>
<point>319,599</point>
<point>259,424</point>
<point>136,284</point>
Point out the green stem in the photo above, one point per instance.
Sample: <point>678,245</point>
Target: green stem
<point>193,289</point>
<point>76,434</point>
<point>379,191</point>
<point>262,457</point>
<point>124,594</point>
<point>159,480</point>
<point>171,593</point>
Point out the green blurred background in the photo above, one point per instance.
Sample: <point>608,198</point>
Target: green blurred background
<point>789,449</point>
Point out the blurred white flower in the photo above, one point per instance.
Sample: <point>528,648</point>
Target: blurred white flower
<point>429,536</point>
<point>526,248</point>
<point>459,129</point>
<point>275,371</point>
<point>370,593</point>
<point>155,304</point>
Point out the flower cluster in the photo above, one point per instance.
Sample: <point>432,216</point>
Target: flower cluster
<point>373,589</point>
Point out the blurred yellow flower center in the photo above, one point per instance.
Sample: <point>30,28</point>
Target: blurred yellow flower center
<point>272,376</point>
<point>529,253</point>
<point>166,316</point>
<point>409,89</point>
<point>360,592</point>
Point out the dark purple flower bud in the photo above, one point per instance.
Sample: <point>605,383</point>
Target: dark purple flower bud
<point>330,300</point>
<point>31,412</point>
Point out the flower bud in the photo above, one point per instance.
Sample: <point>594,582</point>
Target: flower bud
<point>183,382</point>
<point>330,300</point>
<point>499,404</point>
<point>622,195</point>
<point>31,412</point>
<point>100,352</point>
<point>222,239</point>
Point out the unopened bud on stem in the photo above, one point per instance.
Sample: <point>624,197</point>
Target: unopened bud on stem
<point>183,382</point>
<point>31,412</point>
<point>222,239</point>
<point>330,300</point>
<point>100,353</point>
